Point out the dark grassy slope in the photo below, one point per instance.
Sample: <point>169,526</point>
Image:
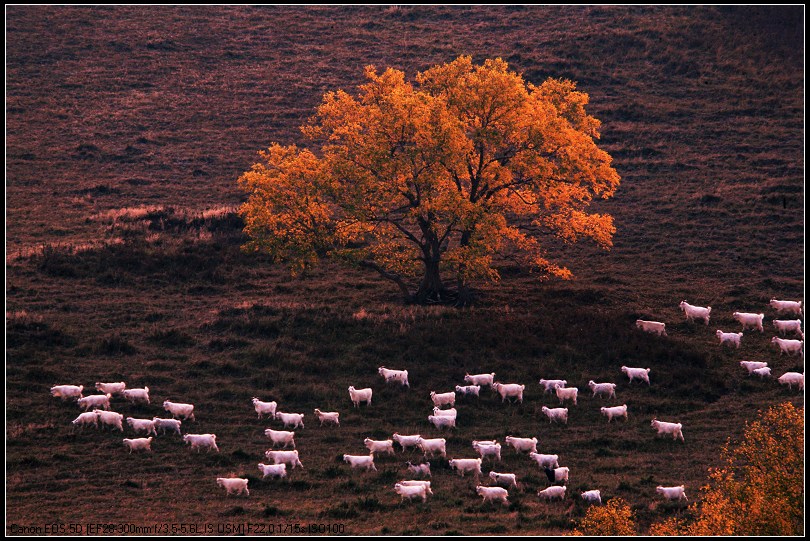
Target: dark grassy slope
<point>122,107</point>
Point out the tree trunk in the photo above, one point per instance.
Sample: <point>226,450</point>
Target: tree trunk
<point>465,293</point>
<point>431,290</point>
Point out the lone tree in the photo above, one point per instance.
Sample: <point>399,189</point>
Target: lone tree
<point>430,184</point>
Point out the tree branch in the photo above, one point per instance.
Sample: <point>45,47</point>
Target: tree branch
<point>396,278</point>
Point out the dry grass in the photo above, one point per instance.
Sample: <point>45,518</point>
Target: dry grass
<point>144,117</point>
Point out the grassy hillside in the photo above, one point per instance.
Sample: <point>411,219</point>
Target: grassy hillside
<point>125,124</point>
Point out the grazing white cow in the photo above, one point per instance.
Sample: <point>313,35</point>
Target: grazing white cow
<point>95,401</point>
<point>419,469</point>
<point>411,491</point>
<point>112,388</point>
<point>522,444</point>
<point>136,396</point>
<point>293,420</point>
<point>67,391</point>
<point>672,493</point>
<point>466,465</point>
<point>360,395</point>
<point>433,445</point>
<point>504,479</point>
<point>491,494</point>
<point>789,347</point>
<point>600,389</point>
<point>233,486</point>
<point>750,320</point>
<point>202,441</point>
<point>276,471</point>
<point>142,425</point>
<point>792,378</point>
<point>399,376</point>
<point>509,390</point>
<point>696,312</point>
<point>788,325</point>
<point>281,436</point>
<point>732,338</point>
<point>265,408</point>
<point>556,414</point>
<point>480,379</point>
<point>545,461</point>
<point>85,419</point>
<point>592,496</point>
<point>664,427</point>
<point>163,425</point>
<point>553,493</point>
<point>407,441</point>
<point>361,461</point>
<point>753,365</point>
<point>110,418</point>
<point>550,384</point>
<point>328,417</point>
<point>138,444</point>
<point>791,307</point>
<point>615,411</point>
<point>656,327</point>
<point>284,457</point>
<point>637,373</point>
<point>567,393</point>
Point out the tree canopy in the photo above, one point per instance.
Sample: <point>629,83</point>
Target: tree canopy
<point>432,183</point>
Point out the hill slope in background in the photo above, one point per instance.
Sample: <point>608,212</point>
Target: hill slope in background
<point>158,110</point>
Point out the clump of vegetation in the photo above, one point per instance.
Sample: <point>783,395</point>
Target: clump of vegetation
<point>615,518</point>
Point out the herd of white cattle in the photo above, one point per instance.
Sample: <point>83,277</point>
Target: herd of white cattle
<point>751,321</point>
<point>441,418</point>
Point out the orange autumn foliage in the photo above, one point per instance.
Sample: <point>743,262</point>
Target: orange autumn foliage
<point>435,179</point>
<point>615,518</point>
<point>760,489</point>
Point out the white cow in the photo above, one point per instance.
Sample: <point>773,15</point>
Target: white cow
<point>750,320</point>
<point>732,338</point>
<point>491,494</point>
<point>696,312</point>
<point>233,486</point>
<point>284,457</point>
<point>480,379</point>
<point>789,347</point>
<point>664,427</point>
<point>276,471</point>
<point>652,327</point>
<point>411,491</point>
<point>672,493</point>
<point>553,493</point>
<point>788,325</point>
<point>791,307</point>
<point>67,391</point>
<point>509,390</point>
<point>138,444</point>
<point>792,378</point>
<point>466,465</point>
